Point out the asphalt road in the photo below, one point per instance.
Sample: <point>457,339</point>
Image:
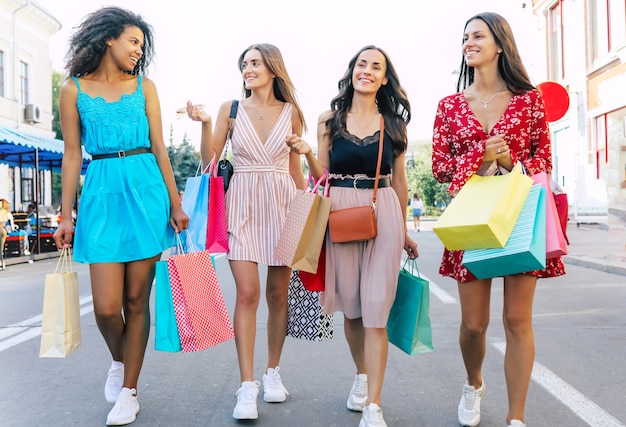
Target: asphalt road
<point>578,378</point>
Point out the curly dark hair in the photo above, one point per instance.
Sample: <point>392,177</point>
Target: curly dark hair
<point>391,98</point>
<point>87,44</point>
<point>510,64</point>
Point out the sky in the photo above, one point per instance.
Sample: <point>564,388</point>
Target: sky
<point>198,43</point>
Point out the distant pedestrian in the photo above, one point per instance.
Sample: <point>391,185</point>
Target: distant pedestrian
<point>129,207</point>
<point>417,206</point>
<point>495,120</point>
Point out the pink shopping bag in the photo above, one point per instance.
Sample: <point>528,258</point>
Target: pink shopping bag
<point>217,228</point>
<point>201,314</point>
<point>556,244</point>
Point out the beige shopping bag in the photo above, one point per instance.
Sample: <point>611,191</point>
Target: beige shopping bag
<point>301,238</point>
<point>60,323</point>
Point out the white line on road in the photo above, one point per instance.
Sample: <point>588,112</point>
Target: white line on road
<point>584,408</point>
<point>31,328</point>
<point>443,296</point>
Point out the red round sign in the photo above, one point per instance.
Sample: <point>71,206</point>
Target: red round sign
<point>555,98</point>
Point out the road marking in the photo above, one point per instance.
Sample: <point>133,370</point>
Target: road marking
<point>31,328</point>
<point>584,408</point>
<point>443,296</point>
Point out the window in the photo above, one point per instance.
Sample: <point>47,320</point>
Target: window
<point>1,73</point>
<point>555,25</point>
<point>24,81</point>
<point>608,26</point>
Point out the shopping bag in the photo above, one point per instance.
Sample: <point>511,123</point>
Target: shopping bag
<point>525,249</point>
<point>562,207</point>
<point>483,213</point>
<point>196,205</point>
<point>300,242</point>
<point>305,319</point>
<point>408,326</point>
<point>556,245</point>
<point>165,329</point>
<point>217,229</point>
<point>60,321</point>
<point>201,314</point>
<point>316,281</point>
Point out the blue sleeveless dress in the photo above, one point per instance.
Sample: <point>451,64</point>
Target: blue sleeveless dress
<point>124,208</point>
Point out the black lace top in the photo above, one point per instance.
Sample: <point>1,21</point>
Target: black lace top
<point>351,156</point>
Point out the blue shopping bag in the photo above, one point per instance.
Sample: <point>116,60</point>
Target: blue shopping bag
<point>165,327</point>
<point>526,248</point>
<point>196,206</point>
<point>408,326</point>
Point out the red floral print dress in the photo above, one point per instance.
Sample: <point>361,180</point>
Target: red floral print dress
<point>459,147</point>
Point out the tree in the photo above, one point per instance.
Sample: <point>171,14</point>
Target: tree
<point>421,180</point>
<point>57,81</point>
<point>184,159</point>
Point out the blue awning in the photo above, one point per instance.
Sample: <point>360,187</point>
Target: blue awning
<point>22,149</point>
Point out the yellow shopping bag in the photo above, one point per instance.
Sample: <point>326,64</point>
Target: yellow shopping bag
<point>60,322</point>
<point>483,213</point>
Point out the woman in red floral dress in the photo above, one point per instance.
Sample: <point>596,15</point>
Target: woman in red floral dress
<point>496,119</point>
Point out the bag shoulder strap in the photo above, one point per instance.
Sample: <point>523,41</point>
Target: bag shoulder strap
<point>380,158</point>
<point>231,124</point>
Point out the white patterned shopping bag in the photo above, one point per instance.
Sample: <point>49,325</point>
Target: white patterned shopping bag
<point>305,317</point>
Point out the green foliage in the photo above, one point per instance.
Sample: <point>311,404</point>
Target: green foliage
<point>57,82</point>
<point>421,180</point>
<point>184,159</point>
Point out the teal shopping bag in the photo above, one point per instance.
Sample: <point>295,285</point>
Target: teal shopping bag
<point>166,330</point>
<point>408,326</point>
<point>526,248</point>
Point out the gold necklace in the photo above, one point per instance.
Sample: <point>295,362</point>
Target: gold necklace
<point>490,99</point>
<point>359,124</point>
<point>260,115</point>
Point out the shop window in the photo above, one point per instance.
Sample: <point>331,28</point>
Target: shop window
<point>601,145</point>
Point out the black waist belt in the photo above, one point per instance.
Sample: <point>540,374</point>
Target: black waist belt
<point>359,183</point>
<point>121,154</point>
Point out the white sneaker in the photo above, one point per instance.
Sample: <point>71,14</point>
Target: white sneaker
<point>358,394</point>
<point>246,401</point>
<point>115,380</point>
<point>516,423</point>
<point>469,406</point>
<point>273,389</point>
<point>372,416</point>
<point>126,408</point>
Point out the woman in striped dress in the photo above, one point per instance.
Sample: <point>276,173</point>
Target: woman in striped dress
<point>266,176</point>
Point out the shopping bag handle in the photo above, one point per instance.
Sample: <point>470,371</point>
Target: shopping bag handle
<point>412,267</point>
<point>65,261</point>
<point>200,170</point>
<point>316,185</point>
<point>180,247</point>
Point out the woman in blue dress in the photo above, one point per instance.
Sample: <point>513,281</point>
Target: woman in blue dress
<point>129,206</point>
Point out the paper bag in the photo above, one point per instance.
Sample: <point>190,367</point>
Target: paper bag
<point>60,322</point>
<point>305,318</point>
<point>556,245</point>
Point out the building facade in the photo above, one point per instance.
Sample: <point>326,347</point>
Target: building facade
<point>26,94</point>
<point>586,53</point>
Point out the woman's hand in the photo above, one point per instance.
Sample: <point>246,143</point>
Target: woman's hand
<point>496,149</point>
<point>410,247</point>
<point>197,113</point>
<point>178,219</point>
<point>63,234</point>
<point>297,144</point>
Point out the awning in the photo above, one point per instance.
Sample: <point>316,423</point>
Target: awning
<point>26,150</point>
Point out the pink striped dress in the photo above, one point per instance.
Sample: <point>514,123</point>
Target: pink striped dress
<point>260,190</point>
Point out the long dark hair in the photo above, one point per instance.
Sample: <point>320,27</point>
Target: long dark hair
<point>88,42</point>
<point>391,99</point>
<point>284,89</point>
<point>510,64</point>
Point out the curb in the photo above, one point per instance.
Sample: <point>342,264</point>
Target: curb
<point>602,265</point>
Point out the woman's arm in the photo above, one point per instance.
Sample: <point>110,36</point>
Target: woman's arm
<point>178,219</point>
<point>295,168</point>
<point>72,160</point>
<point>401,187</point>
